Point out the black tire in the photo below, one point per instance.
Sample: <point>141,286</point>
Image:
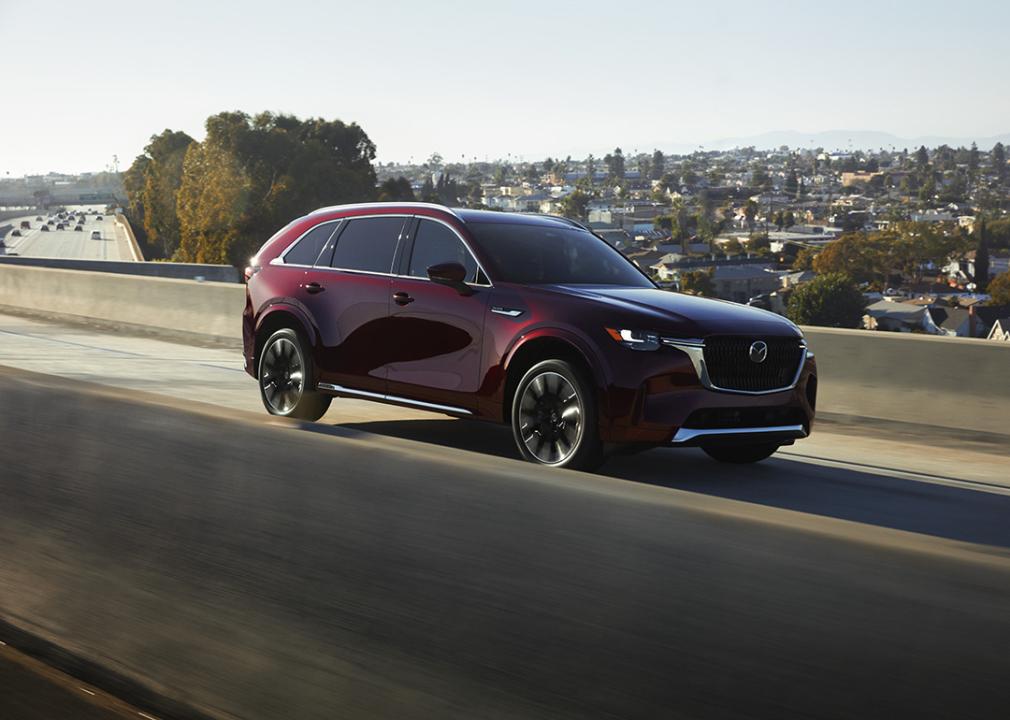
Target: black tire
<point>554,417</point>
<point>740,454</point>
<point>287,378</point>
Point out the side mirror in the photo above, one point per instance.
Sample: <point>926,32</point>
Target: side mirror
<point>451,274</point>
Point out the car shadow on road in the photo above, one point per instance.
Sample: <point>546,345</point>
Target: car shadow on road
<point>858,495</point>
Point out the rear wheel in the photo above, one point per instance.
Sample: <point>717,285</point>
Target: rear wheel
<point>287,378</point>
<point>554,417</point>
<point>740,454</point>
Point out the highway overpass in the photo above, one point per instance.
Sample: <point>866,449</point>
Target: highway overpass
<point>180,546</point>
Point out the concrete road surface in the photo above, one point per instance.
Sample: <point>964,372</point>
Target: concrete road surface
<point>69,243</point>
<point>402,564</point>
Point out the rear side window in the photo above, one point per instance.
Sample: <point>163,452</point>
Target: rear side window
<point>368,244</point>
<point>308,248</point>
<point>434,243</point>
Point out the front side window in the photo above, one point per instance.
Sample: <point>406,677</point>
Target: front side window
<point>434,243</point>
<point>308,248</point>
<point>535,254</point>
<point>368,244</point>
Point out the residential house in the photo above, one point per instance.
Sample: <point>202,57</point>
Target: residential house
<point>740,283</point>
<point>894,316</point>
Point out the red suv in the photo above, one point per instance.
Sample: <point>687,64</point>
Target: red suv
<point>522,319</point>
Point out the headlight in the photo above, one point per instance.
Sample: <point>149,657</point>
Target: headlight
<point>635,339</point>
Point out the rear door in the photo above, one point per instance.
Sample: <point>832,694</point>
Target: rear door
<point>348,293</point>
<point>439,332</point>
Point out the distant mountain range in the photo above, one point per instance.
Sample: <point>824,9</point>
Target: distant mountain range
<point>842,140</point>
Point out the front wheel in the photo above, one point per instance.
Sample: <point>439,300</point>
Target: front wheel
<point>554,418</point>
<point>287,378</point>
<point>740,454</point>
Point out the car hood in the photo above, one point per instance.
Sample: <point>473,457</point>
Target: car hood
<point>683,315</point>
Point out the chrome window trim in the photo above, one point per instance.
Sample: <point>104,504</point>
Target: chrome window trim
<point>480,268</point>
<point>684,435</point>
<point>695,349</point>
<point>392,398</point>
<point>279,260</point>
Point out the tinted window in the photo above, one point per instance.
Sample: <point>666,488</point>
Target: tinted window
<point>434,243</point>
<point>545,254</point>
<point>307,249</point>
<point>368,244</point>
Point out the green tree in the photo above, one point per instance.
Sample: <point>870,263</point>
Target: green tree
<point>574,204</point>
<point>999,289</point>
<point>792,185</point>
<point>999,161</point>
<point>658,165</point>
<point>922,157</point>
<point>152,187</point>
<point>252,174</point>
<point>697,282</point>
<point>396,189</point>
<point>615,166</point>
<point>981,257</point>
<point>831,300</point>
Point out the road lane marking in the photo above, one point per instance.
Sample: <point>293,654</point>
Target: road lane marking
<point>977,485</point>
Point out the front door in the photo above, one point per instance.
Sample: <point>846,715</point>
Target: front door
<point>438,331</point>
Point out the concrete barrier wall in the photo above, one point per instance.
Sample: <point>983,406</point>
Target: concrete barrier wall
<point>948,382</point>
<point>121,220</point>
<point>179,271</point>
<point>184,306</point>
<point>960,383</point>
<point>270,571</point>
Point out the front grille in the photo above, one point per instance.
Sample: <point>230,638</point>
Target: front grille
<point>730,366</point>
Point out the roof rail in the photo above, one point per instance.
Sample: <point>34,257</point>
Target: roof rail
<point>574,223</point>
<point>366,205</point>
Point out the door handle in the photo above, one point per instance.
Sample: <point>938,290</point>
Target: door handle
<point>402,298</point>
<point>313,287</point>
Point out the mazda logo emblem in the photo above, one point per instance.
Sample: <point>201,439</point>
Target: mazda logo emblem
<point>758,351</point>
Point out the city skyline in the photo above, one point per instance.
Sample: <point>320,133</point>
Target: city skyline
<point>488,81</point>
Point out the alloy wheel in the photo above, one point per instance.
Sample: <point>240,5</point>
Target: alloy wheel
<point>282,376</point>
<point>551,418</point>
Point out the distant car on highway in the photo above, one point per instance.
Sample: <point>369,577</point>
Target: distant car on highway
<point>15,233</point>
<point>527,320</point>
<point>60,226</point>
<point>98,218</point>
<point>79,228</point>
<point>38,218</point>
<point>25,225</point>
<point>44,228</point>
<point>96,235</point>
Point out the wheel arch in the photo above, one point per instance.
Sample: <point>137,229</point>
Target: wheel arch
<point>548,344</point>
<point>276,317</point>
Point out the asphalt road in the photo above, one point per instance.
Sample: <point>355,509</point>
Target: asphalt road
<point>69,243</point>
<point>406,566</point>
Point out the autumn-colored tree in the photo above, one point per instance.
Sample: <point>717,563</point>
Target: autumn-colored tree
<point>999,289</point>
<point>152,187</point>
<point>697,282</point>
<point>252,175</point>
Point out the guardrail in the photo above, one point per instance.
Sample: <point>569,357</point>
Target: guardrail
<point>959,383</point>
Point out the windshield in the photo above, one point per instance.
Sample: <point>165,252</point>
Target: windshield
<point>546,255</point>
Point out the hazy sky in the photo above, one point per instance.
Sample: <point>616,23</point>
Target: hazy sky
<point>86,80</point>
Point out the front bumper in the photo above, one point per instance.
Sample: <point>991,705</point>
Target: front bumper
<point>664,400</point>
